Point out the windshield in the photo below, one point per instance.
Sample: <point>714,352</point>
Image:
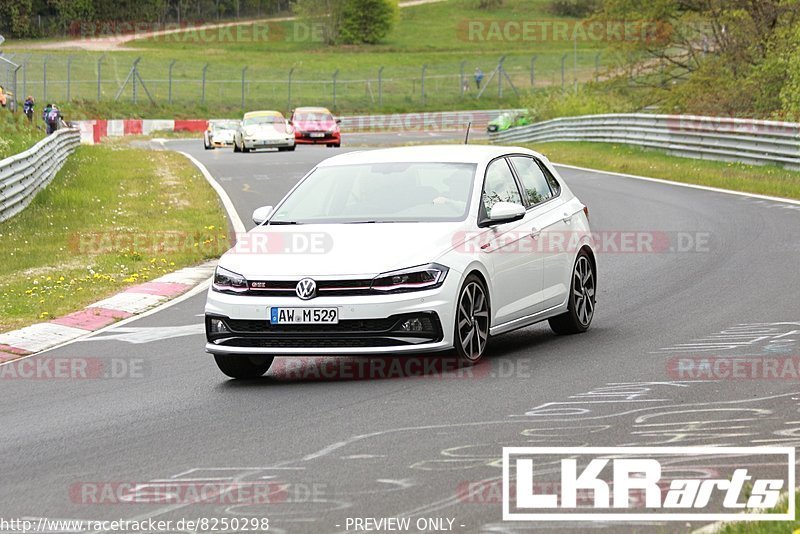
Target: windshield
<point>265,119</point>
<point>225,125</point>
<point>313,117</point>
<point>381,192</point>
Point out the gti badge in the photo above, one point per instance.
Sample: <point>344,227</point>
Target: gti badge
<point>306,288</point>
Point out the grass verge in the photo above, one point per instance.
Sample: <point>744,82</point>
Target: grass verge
<point>765,527</point>
<point>113,217</point>
<point>16,134</point>
<point>764,180</point>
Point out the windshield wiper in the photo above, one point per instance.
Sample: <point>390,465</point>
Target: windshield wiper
<point>282,222</point>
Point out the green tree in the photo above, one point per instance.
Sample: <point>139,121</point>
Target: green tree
<point>15,18</point>
<point>325,14</point>
<point>367,21</point>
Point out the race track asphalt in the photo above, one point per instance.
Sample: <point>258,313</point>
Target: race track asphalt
<point>409,445</point>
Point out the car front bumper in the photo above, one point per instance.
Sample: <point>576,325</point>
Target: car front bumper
<point>255,143</point>
<point>314,138</point>
<point>368,324</point>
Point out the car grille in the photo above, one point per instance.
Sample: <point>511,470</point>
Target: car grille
<point>347,333</point>
<point>286,288</point>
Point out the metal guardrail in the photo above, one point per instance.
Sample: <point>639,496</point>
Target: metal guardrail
<point>716,138</point>
<point>22,176</point>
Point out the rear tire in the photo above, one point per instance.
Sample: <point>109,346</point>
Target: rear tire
<point>243,366</point>
<point>581,301</point>
<point>471,330</point>
<point>235,146</point>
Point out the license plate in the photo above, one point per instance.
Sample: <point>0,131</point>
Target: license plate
<point>320,134</point>
<point>303,315</point>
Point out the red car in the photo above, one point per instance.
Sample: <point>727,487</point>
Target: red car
<point>316,126</point>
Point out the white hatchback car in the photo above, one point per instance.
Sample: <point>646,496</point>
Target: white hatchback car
<point>400,251</point>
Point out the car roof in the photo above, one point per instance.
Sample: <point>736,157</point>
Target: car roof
<point>312,109</point>
<point>429,153</point>
<point>263,114</point>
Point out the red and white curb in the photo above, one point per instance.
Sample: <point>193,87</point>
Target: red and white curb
<point>134,300</point>
<point>93,131</point>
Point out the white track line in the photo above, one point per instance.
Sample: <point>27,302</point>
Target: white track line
<point>681,184</point>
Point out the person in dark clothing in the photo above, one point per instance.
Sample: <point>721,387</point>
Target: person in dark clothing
<point>52,118</point>
<point>27,107</point>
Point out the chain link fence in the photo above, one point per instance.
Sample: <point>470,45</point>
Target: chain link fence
<point>129,79</point>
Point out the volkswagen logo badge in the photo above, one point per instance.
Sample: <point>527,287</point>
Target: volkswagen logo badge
<point>306,288</point>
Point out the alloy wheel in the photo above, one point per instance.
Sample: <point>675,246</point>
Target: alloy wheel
<point>583,288</point>
<point>473,320</point>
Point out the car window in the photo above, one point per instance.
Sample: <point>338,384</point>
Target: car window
<point>381,192</point>
<point>533,179</point>
<point>499,185</point>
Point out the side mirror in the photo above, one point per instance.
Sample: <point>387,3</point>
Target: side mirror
<point>262,214</point>
<point>503,212</point>
<point>338,121</point>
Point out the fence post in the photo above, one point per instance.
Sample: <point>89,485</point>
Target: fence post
<point>462,80</point>
<point>169,89</point>
<point>563,60</point>
<point>44,80</point>
<point>380,88</point>
<point>25,78</point>
<point>203,95</point>
<point>69,78</point>
<point>244,72</point>
<point>422,84</point>
<point>597,67</point>
<point>289,96</point>
<point>335,75</point>
<point>135,70</point>
<point>100,77</point>
<point>533,70</point>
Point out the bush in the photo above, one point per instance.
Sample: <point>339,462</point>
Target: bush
<point>367,21</point>
<point>574,8</point>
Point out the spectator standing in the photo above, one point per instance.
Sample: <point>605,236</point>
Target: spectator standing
<point>52,119</point>
<point>28,106</point>
<point>478,77</point>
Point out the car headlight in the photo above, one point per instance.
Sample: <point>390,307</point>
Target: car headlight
<point>226,281</point>
<point>412,279</point>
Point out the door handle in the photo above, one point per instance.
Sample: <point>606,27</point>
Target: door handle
<point>535,233</point>
<point>567,218</point>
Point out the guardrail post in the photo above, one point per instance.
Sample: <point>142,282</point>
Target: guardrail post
<point>244,73</point>
<point>203,94</point>
<point>169,89</point>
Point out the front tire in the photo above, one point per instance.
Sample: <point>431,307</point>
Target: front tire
<point>243,366</point>
<point>472,321</point>
<point>582,298</point>
<point>235,146</point>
